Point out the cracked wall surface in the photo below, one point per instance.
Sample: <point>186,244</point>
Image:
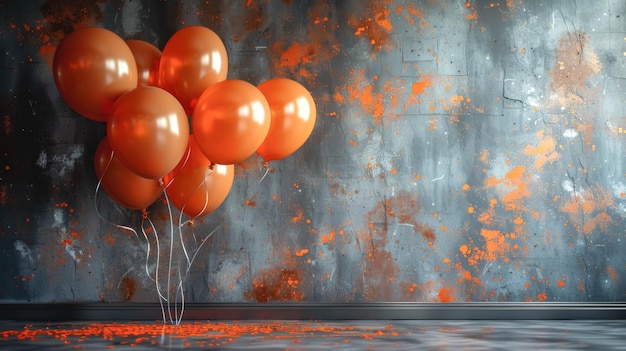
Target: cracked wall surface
<point>463,151</point>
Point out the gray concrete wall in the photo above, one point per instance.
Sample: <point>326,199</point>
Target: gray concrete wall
<point>463,151</point>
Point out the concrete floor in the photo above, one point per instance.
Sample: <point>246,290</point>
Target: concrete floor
<point>321,335</point>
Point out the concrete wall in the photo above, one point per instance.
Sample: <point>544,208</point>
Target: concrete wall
<point>463,151</point>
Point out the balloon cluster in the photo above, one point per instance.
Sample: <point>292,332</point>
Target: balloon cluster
<point>174,121</point>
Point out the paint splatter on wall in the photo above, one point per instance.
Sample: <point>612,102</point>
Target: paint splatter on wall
<point>463,151</point>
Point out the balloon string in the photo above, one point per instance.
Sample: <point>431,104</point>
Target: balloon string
<point>173,313</point>
<point>170,213</point>
<point>169,272</point>
<point>183,161</point>
<point>182,304</point>
<point>203,183</point>
<point>158,263</point>
<point>143,231</point>
<point>176,319</point>
<point>206,238</point>
<point>180,291</point>
<point>208,172</point>
<point>158,254</point>
<point>97,190</point>
<point>267,170</point>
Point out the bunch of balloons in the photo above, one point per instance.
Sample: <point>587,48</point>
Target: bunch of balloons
<point>151,100</point>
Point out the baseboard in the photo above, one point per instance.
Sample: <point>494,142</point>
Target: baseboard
<point>313,311</point>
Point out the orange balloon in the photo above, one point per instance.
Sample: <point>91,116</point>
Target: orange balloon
<point>198,187</point>
<point>148,58</point>
<point>293,117</point>
<point>92,68</point>
<point>192,59</point>
<point>148,129</point>
<point>231,121</point>
<point>121,184</point>
<point>168,178</point>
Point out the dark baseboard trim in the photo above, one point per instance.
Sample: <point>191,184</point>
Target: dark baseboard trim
<point>315,311</point>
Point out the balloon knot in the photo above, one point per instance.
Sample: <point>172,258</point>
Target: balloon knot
<point>144,214</point>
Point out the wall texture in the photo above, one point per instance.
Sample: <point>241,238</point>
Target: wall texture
<point>463,151</point>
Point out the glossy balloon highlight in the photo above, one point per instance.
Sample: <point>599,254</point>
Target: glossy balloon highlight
<point>231,121</point>
<point>193,59</point>
<point>92,68</point>
<point>293,115</point>
<point>148,129</point>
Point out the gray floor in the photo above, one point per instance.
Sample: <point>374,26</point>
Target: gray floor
<point>306,335</point>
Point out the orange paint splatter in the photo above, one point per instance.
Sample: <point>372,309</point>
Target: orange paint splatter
<point>321,44</point>
<point>276,285</point>
<point>473,14</point>
<point>338,97</point>
<point>327,238</point>
<point>542,296</point>
<point>302,252</point>
<point>420,86</point>
<point>544,152</point>
<point>298,217</point>
<point>294,55</point>
<point>445,295</point>
<point>467,275</point>
<point>359,90</point>
<point>514,186</point>
<point>593,204</point>
<point>613,275</point>
<point>199,334</point>
<point>375,24</point>
<point>465,250</point>
<point>570,92</point>
<point>510,4</point>
<point>495,244</point>
<point>61,17</point>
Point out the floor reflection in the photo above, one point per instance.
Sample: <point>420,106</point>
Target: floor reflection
<point>320,335</point>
